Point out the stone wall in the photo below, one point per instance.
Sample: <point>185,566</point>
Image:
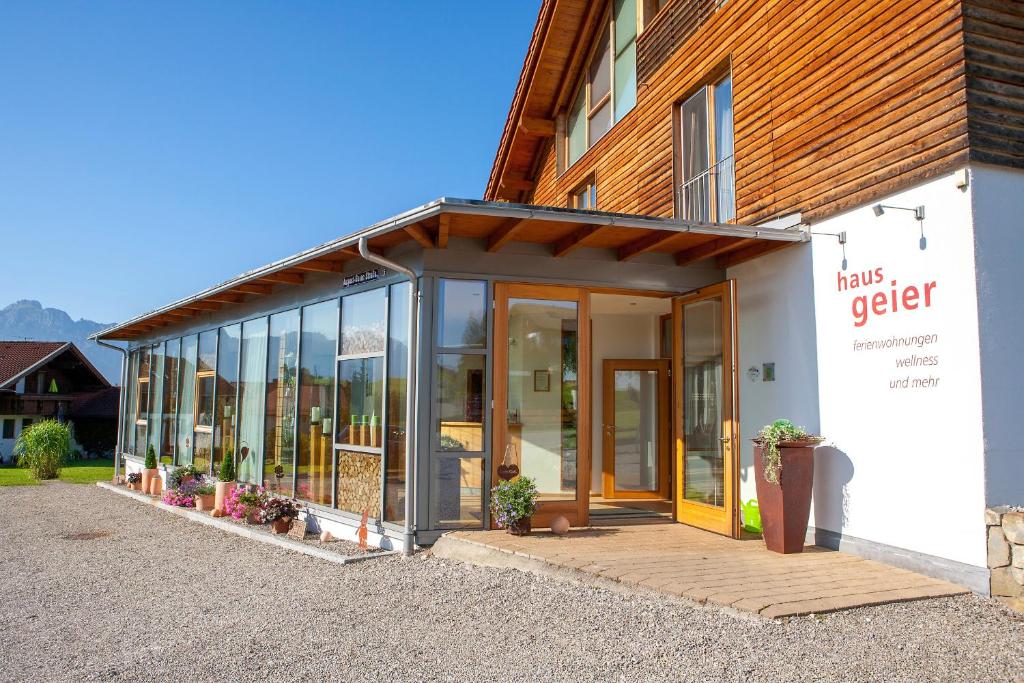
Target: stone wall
<point>1006,553</point>
<point>359,483</point>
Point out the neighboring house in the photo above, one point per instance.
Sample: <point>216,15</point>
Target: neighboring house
<point>703,215</point>
<point>54,380</point>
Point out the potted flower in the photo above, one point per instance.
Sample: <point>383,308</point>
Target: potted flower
<point>784,476</point>
<point>150,471</point>
<point>512,503</point>
<point>225,481</point>
<point>204,496</point>
<point>135,481</point>
<point>180,475</point>
<point>246,503</point>
<point>280,512</point>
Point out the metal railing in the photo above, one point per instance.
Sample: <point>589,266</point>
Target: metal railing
<point>710,197</point>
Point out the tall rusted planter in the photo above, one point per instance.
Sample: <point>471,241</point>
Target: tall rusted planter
<point>785,507</point>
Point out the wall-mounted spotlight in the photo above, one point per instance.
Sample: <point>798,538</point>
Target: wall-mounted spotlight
<point>841,236</point>
<point>918,212</point>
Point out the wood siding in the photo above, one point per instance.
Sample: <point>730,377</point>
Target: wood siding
<point>994,44</point>
<point>835,104</point>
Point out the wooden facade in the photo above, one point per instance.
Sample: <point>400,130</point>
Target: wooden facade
<point>835,103</point>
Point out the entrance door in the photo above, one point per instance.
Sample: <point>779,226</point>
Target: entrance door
<point>542,395</point>
<point>635,431</point>
<point>704,426</point>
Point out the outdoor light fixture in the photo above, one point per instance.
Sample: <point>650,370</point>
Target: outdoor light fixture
<point>918,212</point>
<point>841,236</point>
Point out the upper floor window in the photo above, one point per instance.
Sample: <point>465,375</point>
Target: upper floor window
<point>707,187</point>
<point>607,90</point>
<point>584,196</point>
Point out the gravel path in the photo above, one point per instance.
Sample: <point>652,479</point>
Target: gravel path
<point>162,599</point>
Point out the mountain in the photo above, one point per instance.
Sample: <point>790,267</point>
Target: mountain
<point>27,319</point>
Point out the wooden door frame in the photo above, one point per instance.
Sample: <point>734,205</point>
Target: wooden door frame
<point>723,520</point>
<point>661,366</point>
<point>578,510</point>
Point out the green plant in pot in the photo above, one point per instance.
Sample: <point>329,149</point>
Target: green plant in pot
<point>150,472</point>
<point>784,476</point>
<point>225,482</point>
<point>512,503</point>
<point>43,448</point>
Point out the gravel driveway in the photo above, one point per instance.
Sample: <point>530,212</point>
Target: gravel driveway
<point>159,598</point>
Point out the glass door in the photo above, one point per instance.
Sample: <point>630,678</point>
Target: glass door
<point>704,361</point>
<point>542,395</point>
<point>635,446</point>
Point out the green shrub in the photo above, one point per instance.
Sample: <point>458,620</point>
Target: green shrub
<point>150,458</point>
<point>43,448</point>
<point>227,467</point>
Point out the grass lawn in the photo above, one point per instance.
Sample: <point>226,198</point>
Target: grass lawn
<point>76,472</point>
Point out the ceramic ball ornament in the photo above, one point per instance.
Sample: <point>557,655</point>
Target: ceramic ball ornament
<point>560,525</point>
<point>326,537</point>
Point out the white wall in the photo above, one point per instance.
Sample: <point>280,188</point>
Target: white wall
<point>775,298</point>
<point>997,199</point>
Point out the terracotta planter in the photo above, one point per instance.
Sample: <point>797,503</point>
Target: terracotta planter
<point>204,502</point>
<point>135,486</point>
<point>520,528</point>
<point>156,485</point>
<point>147,479</point>
<point>281,525</point>
<point>224,489</point>
<point>785,507</point>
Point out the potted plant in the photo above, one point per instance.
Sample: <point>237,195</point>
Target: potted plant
<point>150,471</point>
<point>280,512</point>
<point>204,496</point>
<point>784,476</point>
<point>512,503</point>
<point>246,503</point>
<point>135,481</point>
<point>181,475</point>
<point>225,481</point>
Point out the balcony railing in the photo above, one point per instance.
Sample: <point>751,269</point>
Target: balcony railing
<point>710,197</point>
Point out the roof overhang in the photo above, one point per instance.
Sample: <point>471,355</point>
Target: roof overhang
<point>496,224</point>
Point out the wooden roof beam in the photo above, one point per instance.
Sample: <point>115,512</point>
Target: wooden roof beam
<point>710,248</point>
<point>226,298</point>
<point>253,288</point>
<point>576,239</point>
<point>443,227</point>
<point>201,306</point>
<point>760,248</point>
<point>283,278</point>
<point>503,234</point>
<point>321,266</point>
<point>649,242</point>
<point>517,182</point>
<point>417,232</point>
<point>538,128</point>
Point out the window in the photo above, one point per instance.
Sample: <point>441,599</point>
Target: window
<point>607,91</point>
<point>227,386</point>
<point>279,429</point>
<point>317,357</point>
<point>26,423</point>
<point>361,371</point>
<point>202,448</point>
<point>142,401</point>
<point>128,414</point>
<point>584,197</point>
<point>156,384</point>
<point>9,428</point>
<point>251,394</point>
<point>170,401</point>
<point>398,376</point>
<point>463,314</point>
<point>707,191</point>
<point>186,416</point>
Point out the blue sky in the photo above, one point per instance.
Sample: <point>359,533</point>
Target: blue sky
<point>148,150</point>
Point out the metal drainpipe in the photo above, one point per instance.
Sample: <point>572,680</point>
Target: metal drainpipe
<point>121,398</point>
<point>410,398</point>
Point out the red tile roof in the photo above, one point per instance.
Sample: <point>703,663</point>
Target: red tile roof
<point>18,356</point>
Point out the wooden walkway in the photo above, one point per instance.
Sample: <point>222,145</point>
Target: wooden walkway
<point>683,561</point>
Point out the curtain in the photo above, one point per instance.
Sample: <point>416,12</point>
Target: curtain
<point>252,391</point>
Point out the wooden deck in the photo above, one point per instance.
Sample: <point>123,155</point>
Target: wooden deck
<point>683,561</point>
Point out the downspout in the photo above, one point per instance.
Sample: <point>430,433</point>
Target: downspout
<point>121,398</point>
<point>410,397</point>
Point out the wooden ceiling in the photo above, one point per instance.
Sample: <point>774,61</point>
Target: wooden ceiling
<point>563,231</point>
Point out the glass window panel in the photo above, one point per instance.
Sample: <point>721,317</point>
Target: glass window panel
<point>227,386</point>
<point>600,70</point>
<point>456,493</point>
<point>279,432</point>
<point>128,414</point>
<point>251,393</point>
<point>204,400</point>
<point>170,402</point>
<point>725,182</point>
<point>359,483</point>
<point>463,314</point>
<point>398,375</point>
<point>156,384</point>
<point>578,126</point>
<point>207,351</point>
<point>142,402</point>
<point>704,458</point>
<point>460,398</point>
<point>362,323</point>
<point>696,189</point>
<point>625,82</point>
<point>186,415</point>
<point>542,394</point>
<point>361,402</point>
<point>318,353</point>
<point>636,430</point>
<point>600,123</point>
<point>625,24</point>
<point>202,449</point>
